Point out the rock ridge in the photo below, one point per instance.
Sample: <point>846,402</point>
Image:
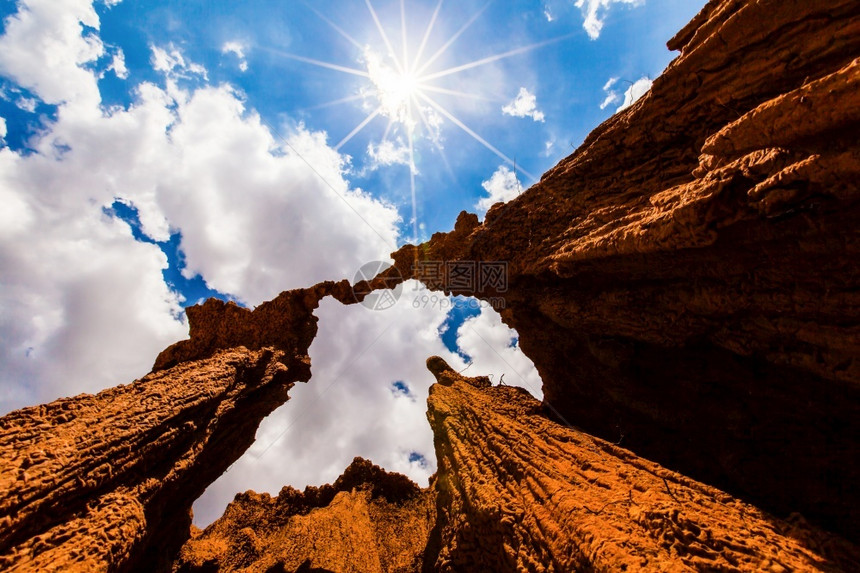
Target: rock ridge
<point>107,481</point>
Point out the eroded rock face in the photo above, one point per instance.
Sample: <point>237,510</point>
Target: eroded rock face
<point>687,281</point>
<point>520,492</point>
<point>369,521</point>
<point>106,482</point>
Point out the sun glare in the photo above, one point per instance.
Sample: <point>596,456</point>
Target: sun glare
<point>394,89</point>
<point>400,87</point>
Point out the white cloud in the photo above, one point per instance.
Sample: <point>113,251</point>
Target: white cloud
<point>612,95</point>
<point>43,50</point>
<point>118,65</point>
<point>524,105</point>
<point>83,305</point>
<point>238,49</point>
<point>28,104</point>
<point>594,13</point>
<point>172,63</point>
<point>636,90</point>
<point>548,15</point>
<point>2,127</point>
<point>502,186</point>
<point>387,153</point>
<point>495,352</point>
<point>350,406</point>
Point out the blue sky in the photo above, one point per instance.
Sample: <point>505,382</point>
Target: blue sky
<point>156,153</point>
<point>566,78</point>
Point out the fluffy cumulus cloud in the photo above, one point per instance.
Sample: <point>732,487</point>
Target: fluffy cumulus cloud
<point>117,64</point>
<point>524,105</point>
<point>83,305</point>
<point>238,50</point>
<point>633,92</point>
<point>2,128</point>
<point>387,153</point>
<point>493,350</point>
<point>43,50</point>
<point>594,13</point>
<point>502,186</point>
<point>367,396</point>
<point>636,90</point>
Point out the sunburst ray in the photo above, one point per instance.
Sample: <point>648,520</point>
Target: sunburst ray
<point>384,36</point>
<point>490,59</point>
<point>427,33</point>
<point>336,28</point>
<point>453,119</point>
<point>358,128</point>
<point>320,63</point>
<point>453,39</point>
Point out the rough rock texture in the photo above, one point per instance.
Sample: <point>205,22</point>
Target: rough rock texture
<point>106,482</point>
<point>367,521</point>
<point>688,281</point>
<point>520,492</point>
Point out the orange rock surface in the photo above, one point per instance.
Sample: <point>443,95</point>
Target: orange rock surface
<point>368,521</point>
<point>519,492</point>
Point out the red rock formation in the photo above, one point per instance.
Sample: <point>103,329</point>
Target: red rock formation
<point>368,521</point>
<point>515,491</point>
<point>106,482</point>
<point>687,281</point>
<point>519,492</point>
<point>687,285</point>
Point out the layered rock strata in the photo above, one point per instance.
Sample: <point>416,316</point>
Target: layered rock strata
<point>688,281</point>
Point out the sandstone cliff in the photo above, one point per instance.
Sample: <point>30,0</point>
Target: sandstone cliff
<point>688,281</point>
<point>367,521</point>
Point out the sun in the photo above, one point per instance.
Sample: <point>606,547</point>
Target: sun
<point>403,87</point>
<point>395,90</point>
